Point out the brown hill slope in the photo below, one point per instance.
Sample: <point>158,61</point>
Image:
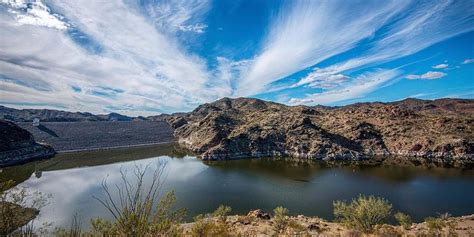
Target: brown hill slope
<point>17,145</point>
<point>439,131</point>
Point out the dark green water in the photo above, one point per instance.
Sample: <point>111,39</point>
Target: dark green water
<point>310,189</point>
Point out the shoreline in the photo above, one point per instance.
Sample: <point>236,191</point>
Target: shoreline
<point>264,224</point>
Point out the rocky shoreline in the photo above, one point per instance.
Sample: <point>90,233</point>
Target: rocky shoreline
<point>438,132</point>
<point>259,223</point>
<point>18,146</point>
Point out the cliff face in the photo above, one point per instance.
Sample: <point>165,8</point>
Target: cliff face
<point>17,145</point>
<point>439,131</point>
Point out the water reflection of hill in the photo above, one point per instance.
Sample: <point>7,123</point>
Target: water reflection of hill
<point>62,161</point>
<point>305,171</point>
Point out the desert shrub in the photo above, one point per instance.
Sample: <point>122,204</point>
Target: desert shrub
<point>133,211</point>
<point>404,220</point>
<point>435,224</point>
<point>73,231</point>
<point>221,212</point>
<point>296,228</point>
<point>205,225</point>
<point>280,218</point>
<point>362,213</point>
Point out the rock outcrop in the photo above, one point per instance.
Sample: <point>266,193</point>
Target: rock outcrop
<point>439,131</point>
<point>17,145</point>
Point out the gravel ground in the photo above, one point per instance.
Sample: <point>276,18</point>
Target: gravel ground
<point>70,136</point>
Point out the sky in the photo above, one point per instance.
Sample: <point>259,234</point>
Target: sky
<point>145,57</point>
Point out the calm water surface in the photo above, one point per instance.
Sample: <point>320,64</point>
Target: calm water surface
<point>74,179</point>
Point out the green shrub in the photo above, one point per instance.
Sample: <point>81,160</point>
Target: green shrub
<point>362,213</point>
<point>434,224</point>
<point>205,225</point>
<point>280,218</point>
<point>221,212</point>
<point>404,220</point>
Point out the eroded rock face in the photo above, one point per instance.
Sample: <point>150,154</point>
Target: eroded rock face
<point>17,145</point>
<point>438,131</point>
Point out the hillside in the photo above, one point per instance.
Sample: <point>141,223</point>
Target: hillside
<point>48,115</point>
<point>17,145</point>
<point>439,131</point>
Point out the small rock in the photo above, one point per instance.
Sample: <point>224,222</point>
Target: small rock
<point>258,213</point>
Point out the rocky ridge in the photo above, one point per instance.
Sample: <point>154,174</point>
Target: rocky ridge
<point>439,131</point>
<point>48,115</point>
<point>17,145</point>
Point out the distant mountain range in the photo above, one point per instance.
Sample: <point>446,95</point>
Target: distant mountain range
<point>48,115</point>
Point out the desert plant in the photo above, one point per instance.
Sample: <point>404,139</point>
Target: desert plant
<point>404,220</point>
<point>73,231</point>
<point>435,224</point>
<point>204,225</point>
<point>362,213</point>
<point>221,212</point>
<point>280,218</point>
<point>133,210</point>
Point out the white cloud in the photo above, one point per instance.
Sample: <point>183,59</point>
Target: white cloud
<point>427,76</point>
<point>308,32</point>
<point>357,88</point>
<point>178,15</point>
<point>467,61</point>
<point>320,78</point>
<point>196,28</point>
<point>150,67</point>
<point>34,13</point>
<point>423,24</point>
<point>441,66</point>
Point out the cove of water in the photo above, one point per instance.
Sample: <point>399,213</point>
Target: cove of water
<point>74,179</point>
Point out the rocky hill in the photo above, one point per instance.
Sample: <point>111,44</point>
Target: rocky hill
<point>439,131</point>
<point>48,115</point>
<point>17,145</point>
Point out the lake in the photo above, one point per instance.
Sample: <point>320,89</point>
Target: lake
<point>74,179</point>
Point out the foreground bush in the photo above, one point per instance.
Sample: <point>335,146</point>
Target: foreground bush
<point>213,224</point>
<point>133,211</point>
<point>280,218</point>
<point>404,220</point>
<point>362,213</point>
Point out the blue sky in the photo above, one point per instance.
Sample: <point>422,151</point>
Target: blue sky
<point>153,56</point>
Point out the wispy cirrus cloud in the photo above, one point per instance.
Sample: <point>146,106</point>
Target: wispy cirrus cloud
<point>415,26</point>
<point>177,15</point>
<point>350,90</point>
<point>308,32</point>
